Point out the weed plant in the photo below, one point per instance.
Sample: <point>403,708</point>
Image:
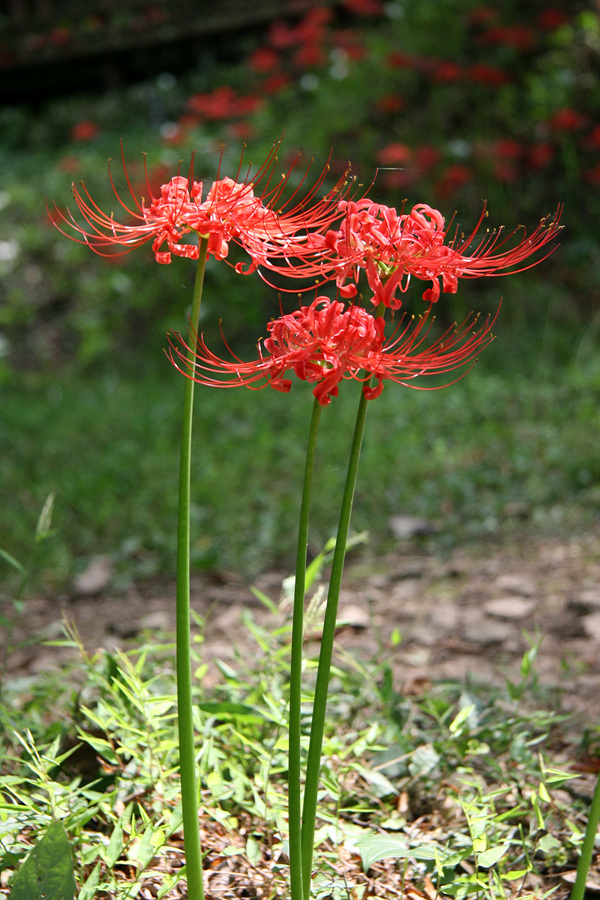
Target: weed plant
<point>450,788</point>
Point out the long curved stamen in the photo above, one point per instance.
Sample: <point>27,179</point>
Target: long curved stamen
<point>273,231</point>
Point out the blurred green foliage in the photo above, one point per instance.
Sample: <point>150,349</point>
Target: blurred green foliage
<point>484,459</point>
<point>457,103</point>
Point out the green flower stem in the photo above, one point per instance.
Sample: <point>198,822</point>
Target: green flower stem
<point>187,755</point>
<point>313,768</point>
<point>587,849</point>
<point>295,708</point>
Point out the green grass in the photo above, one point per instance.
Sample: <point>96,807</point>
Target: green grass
<point>493,453</point>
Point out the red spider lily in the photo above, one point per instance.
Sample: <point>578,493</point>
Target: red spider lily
<point>551,19</point>
<point>364,7</point>
<point>567,120</point>
<point>491,76</point>
<point>326,342</point>
<point>446,71</point>
<point>540,155</point>
<point>85,130</point>
<point>263,224</point>
<point>518,37</point>
<point>392,248</point>
<point>264,59</point>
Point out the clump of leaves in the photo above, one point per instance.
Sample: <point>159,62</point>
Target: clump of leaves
<point>448,789</point>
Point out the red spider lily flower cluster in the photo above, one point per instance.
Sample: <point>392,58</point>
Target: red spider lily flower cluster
<point>391,248</point>
<point>266,225</point>
<point>325,343</point>
<point>332,239</point>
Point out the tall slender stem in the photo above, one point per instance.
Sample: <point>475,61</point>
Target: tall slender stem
<point>295,707</point>
<point>187,755</point>
<point>587,849</point>
<point>313,767</point>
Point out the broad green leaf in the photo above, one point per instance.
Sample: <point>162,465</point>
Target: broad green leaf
<point>252,851</point>
<point>461,717</point>
<point>515,875</point>
<point>528,660</point>
<point>374,847</point>
<point>145,851</point>
<point>115,846</point>
<point>480,844</point>
<point>88,890</point>
<point>423,760</point>
<point>432,851</point>
<point>382,786</point>
<point>490,857</point>
<point>548,843</point>
<point>47,873</point>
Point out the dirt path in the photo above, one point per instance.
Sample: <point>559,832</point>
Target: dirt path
<point>460,616</point>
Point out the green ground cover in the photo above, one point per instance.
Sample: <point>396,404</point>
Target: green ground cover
<point>495,453</point>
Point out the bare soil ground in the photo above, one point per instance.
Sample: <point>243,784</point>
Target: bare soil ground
<point>465,615</point>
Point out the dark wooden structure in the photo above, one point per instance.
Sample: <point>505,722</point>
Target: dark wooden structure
<point>47,46</point>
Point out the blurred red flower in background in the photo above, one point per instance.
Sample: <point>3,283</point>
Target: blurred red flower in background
<point>540,155</point>
<point>592,176</point>
<point>86,130</point>
<point>222,103</point>
<point>551,19</point>
<point>364,7</point>
<point>264,59</point>
<point>395,155</point>
<point>567,120</point>
<point>400,60</point>
<point>483,73</point>
<point>483,15</point>
<point>447,71</point>
<point>592,140</point>
<point>453,179</point>
<point>519,37</point>
<point>390,103</point>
